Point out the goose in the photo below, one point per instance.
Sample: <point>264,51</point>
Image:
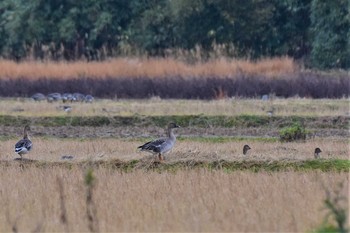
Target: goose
<point>245,149</point>
<point>78,97</point>
<point>161,145</point>
<point>317,153</point>
<point>65,108</point>
<point>38,97</point>
<point>67,97</point>
<point>54,97</point>
<point>24,145</point>
<point>89,99</point>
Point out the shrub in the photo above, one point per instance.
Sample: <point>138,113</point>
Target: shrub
<point>293,133</point>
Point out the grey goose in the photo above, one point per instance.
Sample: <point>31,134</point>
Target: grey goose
<point>24,145</point>
<point>161,145</point>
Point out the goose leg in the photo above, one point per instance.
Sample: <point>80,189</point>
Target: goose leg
<point>160,157</point>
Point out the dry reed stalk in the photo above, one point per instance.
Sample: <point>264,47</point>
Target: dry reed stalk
<point>153,67</point>
<point>63,215</point>
<point>91,209</point>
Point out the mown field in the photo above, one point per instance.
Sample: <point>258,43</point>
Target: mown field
<point>205,183</point>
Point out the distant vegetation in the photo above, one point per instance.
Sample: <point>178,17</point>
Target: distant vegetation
<point>293,133</point>
<point>170,78</point>
<point>313,31</point>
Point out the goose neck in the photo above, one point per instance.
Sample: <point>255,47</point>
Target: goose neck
<point>170,133</point>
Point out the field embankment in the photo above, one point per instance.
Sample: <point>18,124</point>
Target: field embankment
<point>148,164</point>
<point>168,78</point>
<point>192,126</point>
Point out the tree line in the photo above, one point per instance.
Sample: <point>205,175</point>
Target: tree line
<point>314,31</point>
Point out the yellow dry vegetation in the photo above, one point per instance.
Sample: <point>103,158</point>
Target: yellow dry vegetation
<point>191,200</point>
<point>145,67</point>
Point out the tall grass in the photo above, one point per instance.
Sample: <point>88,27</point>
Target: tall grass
<point>192,200</point>
<point>151,67</point>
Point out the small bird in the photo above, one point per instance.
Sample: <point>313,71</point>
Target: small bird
<point>24,145</point>
<point>161,145</point>
<point>245,149</point>
<point>67,157</point>
<point>317,153</point>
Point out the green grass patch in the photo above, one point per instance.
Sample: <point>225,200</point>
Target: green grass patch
<point>222,139</point>
<point>324,165</point>
<point>201,121</point>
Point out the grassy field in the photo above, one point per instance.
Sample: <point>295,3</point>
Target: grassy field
<point>52,149</point>
<point>161,107</point>
<point>188,200</point>
<point>205,183</point>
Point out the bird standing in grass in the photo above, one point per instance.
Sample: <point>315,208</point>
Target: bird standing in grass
<point>317,153</point>
<point>245,149</point>
<point>161,145</point>
<point>24,145</point>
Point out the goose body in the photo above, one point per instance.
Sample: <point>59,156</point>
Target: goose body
<point>161,145</point>
<point>24,145</point>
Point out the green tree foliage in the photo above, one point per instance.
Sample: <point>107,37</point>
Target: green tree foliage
<point>67,29</point>
<point>94,30</point>
<point>330,28</point>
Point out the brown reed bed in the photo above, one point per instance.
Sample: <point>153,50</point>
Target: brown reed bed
<point>145,67</point>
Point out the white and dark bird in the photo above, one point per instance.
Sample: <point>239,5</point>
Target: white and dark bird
<point>24,145</point>
<point>161,145</point>
<point>245,149</point>
<point>317,153</point>
<point>65,108</point>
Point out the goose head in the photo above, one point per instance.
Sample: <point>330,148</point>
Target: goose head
<point>173,125</point>
<point>245,149</point>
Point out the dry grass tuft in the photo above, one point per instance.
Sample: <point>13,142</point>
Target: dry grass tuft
<point>152,67</point>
